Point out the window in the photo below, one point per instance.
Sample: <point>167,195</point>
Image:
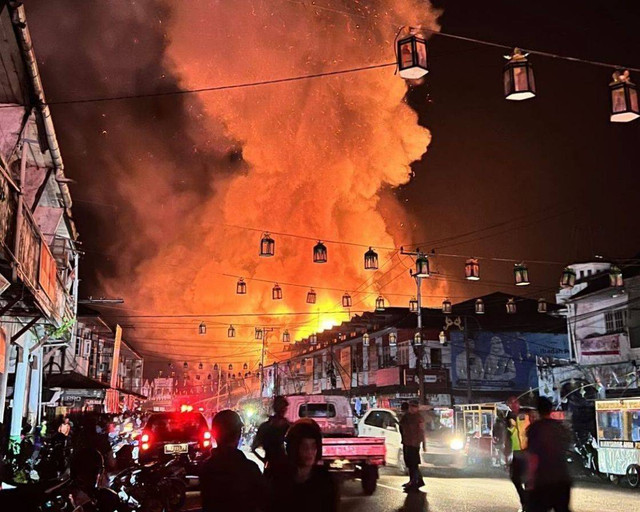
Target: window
<point>610,425</point>
<point>436,357</point>
<point>317,411</point>
<point>615,320</point>
<point>375,419</point>
<point>403,354</point>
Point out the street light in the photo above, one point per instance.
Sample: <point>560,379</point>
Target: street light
<point>542,306</point>
<point>422,266</point>
<point>446,307</point>
<point>393,339</point>
<point>519,83</point>
<point>479,307</point>
<point>521,274</point>
<point>472,269</point>
<point>624,98</point>
<point>568,278</point>
<point>412,57</point>
<point>365,340</point>
<point>511,306</point>
<point>417,342</point>
<point>413,305</point>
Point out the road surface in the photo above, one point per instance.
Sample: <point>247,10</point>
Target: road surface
<point>446,491</point>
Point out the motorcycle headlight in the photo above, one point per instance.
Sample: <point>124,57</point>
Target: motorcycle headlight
<point>456,444</point>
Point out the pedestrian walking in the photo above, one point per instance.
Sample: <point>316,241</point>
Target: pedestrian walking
<point>412,434</point>
<point>270,436</point>
<point>228,480</point>
<point>549,480</point>
<point>516,445</point>
<point>302,484</point>
<point>65,427</point>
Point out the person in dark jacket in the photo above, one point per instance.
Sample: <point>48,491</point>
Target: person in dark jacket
<point>228,480</point>
<point>270,436</point>
<point>304,485</point>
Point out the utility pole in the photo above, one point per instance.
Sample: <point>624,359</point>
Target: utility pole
<point>468,357</point>
<point>421,271</point>
<point>261,333</point>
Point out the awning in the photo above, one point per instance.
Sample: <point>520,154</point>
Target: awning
<point>72,380</point>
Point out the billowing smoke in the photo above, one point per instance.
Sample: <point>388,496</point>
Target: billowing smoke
<point>317,157</point>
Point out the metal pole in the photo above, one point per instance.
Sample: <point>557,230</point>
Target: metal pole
<point>421,394</point>
<point>264,337</point>
<point>468,356</point>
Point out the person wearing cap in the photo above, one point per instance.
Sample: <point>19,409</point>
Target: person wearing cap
<point>412,432</point>
<point>270,436</point>
<point>228,480</point>
<point>302,484</point>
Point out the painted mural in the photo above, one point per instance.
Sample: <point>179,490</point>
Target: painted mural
<point>502,361</point>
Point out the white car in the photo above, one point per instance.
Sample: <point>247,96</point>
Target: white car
<point>443,447</point>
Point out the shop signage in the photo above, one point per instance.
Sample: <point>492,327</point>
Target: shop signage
<point>608,345</point>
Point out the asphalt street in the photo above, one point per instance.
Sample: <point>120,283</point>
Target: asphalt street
<point>447,491</point>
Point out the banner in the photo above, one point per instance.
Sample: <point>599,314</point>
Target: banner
<point>601,346</point>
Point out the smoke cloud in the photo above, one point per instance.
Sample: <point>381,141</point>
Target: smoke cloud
<point>169,178</point>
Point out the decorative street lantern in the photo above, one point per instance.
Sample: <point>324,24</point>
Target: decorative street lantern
<point>311,296</point>
<point>624,98</point>
<point>568,278</point>
<point>258,333</point>
<point>412,57</point>
<point>209,377</point>
<point>346,300</point>
<point>230,367</point>
<point>216,367</point>
<point>286,337</point>
<point>365,340</point>
<point>413,305</point>
<point>313,339</point>
<point>472,269</point>
<point>511,306</point>
<point>200,366</point>
<point>393,339</point>
<point>197,377</point>
<point>479,307</point>
<point>241,287</point>
<point>245,366</point>
<point>615,276</point>
<point>231,332</point>
<point>442,337</point>
<point>267,245</point>
<point>519,83</point>
<point>202,329</point>
<point>417,339</point>
<point>422,266</point>
<point>521,274</point>
<point>371,260</point>
<point>276,292</point>
<point>380,303</point>
<point>446,307</point>
<point>319,253</point>
<point>185,365</point>
<point>542,306</point>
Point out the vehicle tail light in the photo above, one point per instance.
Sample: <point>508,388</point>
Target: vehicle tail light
<point>145,439</point>
<point>206,443</point>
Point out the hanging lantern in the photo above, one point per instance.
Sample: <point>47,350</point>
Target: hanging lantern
<point>346,300</point>
<point>230,367</point>
<point>511,306</point>
<point>185,365</point>
<point>245,366</point>
<point>442,337</point>
<point>624,98</point>
<point>519,83</point>
<point>422,266</point>
<point>241,287</point>
<point>202,329</point>
<point>371,260</point>
<point>365,340</point>
<point>231,332</point>
<point>521,274</point>
<point>380,303</point>
<point>200,366</point>
<point>393,339</point>
<point>276,292</point>
<point>615,276</point>
<point>215,367</point>
<point>239,375</point>
<point>412,57</point>
<point>417,339</point>
<point>311,296</point>
<point>258,333</point>
<point>286,337</point>
<point>542,306</point>
<point>313,339</point>
<point>446,307</point>
<point>267,245</point>
<point>568,278</point>
<point>472,269</point>
<point>197,377</point>
<point>413,305</point>
<point>479,307</point>
<point>319,253</point>
<point>209,377</point>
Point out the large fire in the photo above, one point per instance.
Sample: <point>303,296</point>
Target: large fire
<point>318,157</point>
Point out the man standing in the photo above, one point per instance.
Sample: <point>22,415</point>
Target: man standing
<point>228,480</point>
<point>270,436</point>
<point>412,432</point>
<point>549,480</point>
<point>516,444</point>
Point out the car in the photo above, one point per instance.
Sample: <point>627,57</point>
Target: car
<point>167,435</point>
<point>444,449</point>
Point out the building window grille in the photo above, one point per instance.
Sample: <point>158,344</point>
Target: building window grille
<point>615,321</point>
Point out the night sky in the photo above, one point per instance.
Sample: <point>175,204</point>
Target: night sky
<point>556,178</point>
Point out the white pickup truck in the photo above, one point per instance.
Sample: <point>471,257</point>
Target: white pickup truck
<point>342,450</point>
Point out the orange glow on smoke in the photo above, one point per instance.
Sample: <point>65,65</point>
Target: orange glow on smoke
<point>321,158</point>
